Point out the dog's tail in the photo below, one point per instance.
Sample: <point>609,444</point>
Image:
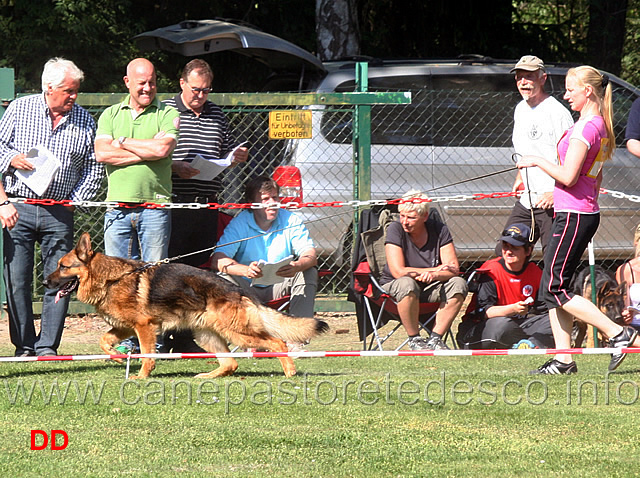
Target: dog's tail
<point>290,329</point>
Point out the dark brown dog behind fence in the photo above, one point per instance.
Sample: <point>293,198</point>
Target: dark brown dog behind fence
<point>609,299</point>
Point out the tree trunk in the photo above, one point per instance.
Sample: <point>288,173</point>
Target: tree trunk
<point>607,21</point>
<point>337,29</point>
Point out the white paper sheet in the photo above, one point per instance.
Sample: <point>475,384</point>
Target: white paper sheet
<point>269,270</point>
<point>46,165</point>
<point>211,167</point>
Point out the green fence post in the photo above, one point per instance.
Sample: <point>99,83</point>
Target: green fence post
<point>361,144</point>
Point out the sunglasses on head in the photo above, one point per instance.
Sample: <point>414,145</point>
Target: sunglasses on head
<point>516,235</point>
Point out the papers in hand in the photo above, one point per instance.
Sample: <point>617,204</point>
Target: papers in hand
<point>211,167</point>
<point>45,164</point>
<point>269,270</point>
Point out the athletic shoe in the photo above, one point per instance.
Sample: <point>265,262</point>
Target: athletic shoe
<point>296,347</point>
<point>436,343</point>
<point>525,344</point>
<point>554,367</point>
<point>128,346</point>
<point>623,339</point>
<point>418,343</point>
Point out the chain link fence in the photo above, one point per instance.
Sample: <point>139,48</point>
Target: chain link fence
<point>449,142</point>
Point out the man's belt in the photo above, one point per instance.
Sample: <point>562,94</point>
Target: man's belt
<point>198,198</point>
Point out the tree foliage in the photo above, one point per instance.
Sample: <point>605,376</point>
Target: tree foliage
<point>631,51</point>
<point>97,34</point>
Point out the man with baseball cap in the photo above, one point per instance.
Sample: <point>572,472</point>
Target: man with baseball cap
<point>504,312</point>
<point>539,122</point>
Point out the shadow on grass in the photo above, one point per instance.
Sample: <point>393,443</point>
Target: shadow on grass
<point>57,370</point>
<point>239,375</point>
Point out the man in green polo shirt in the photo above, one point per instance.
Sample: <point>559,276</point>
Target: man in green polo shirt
<point>135,140</point>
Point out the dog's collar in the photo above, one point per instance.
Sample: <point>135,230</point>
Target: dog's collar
<point>142,268</point>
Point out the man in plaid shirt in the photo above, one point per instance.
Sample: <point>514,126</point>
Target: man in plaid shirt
<point>50,121</point>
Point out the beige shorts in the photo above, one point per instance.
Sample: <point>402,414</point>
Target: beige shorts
<point>441,292</point>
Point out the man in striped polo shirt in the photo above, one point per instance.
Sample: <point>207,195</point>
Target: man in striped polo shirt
<point>204,131</point>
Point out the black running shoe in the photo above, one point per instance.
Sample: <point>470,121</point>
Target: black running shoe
<point>623,339</point>
<point>554,367</point>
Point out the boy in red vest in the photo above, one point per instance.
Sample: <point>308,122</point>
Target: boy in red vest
<point>504,312</point>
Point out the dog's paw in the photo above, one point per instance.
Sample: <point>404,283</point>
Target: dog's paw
<point>111,351</point>
<point>219,372</point>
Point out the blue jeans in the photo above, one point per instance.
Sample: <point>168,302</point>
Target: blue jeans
<point>52,228</point>
<point>137,233</point>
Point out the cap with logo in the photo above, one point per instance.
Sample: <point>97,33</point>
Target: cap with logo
<point>517,234</point>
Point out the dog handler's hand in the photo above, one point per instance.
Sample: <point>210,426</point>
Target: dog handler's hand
<point>527,162</point>
<point>8,216</point>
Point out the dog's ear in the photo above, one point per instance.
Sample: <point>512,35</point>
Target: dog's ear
<point>603,291</point>
<point>83,248</point>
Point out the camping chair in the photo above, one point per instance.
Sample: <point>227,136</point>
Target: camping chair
<point>374,307</point>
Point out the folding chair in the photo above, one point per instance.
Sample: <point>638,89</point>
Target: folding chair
<point>374,307</point>
<point>281,304</point>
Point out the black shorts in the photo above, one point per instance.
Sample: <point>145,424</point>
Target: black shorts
<point>570,236</point>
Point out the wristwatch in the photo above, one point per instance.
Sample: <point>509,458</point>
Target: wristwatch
<point>121,140</point>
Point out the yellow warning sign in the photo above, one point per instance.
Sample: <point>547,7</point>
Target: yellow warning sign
<point>289,124</point>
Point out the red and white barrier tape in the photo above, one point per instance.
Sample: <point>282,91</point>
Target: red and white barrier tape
<point>332,353</point>
<point>287,205</point>
<point>298,205</point>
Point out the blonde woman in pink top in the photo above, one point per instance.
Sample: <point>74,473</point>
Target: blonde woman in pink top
<point>582,151</point>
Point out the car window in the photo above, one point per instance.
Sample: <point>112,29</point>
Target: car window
<point>446,110</point>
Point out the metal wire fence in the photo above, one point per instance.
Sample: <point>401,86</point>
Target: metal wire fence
<point>441,143</point>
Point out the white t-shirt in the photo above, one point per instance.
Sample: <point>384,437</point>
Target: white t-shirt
<point>536,131</point>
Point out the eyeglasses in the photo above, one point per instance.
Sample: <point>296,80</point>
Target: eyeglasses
<point>206,91</point>
<point>516,235</point>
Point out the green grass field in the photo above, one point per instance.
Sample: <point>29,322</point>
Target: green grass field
<point>409,416</point>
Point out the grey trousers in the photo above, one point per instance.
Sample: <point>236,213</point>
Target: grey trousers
<point>302,287</point>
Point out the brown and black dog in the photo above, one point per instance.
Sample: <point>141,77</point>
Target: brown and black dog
<point>609,299</point>
<point>135,298</point>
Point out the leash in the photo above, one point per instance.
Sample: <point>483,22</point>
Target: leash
<point>331,216</point>
<point>515,157</point>
<point>475,178</point>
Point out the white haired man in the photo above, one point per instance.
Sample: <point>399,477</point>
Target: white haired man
<point>53,120</point>
<point>539,122</point>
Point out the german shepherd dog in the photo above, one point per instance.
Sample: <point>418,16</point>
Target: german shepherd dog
<point>609,299</point>
<point>133,296</point>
